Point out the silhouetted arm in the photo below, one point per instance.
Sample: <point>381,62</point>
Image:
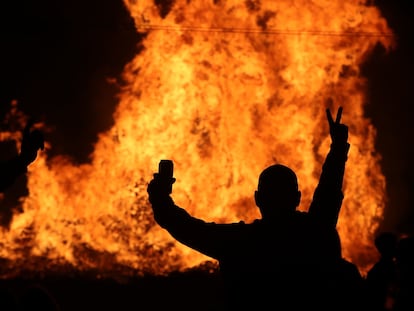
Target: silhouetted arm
<point>32,142</point>
<point>328,195</point>
<point>208,238</point>
<point>11,169</point>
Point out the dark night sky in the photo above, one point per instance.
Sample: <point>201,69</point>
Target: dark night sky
<point>56,56</point>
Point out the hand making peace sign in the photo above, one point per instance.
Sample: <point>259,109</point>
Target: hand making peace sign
<point>338,131</point>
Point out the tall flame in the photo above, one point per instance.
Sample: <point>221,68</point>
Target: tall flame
<point>223,88</point>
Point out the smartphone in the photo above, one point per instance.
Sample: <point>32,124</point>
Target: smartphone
<point>166,168</point>
<point>165,172</point>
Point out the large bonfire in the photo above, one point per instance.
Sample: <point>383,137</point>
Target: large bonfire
<point>224,89</point>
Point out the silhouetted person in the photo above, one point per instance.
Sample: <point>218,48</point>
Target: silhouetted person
<point>8,300</point>
<point>350,284</point>
<point>381,278</point>
<point>10,170</point>
<point>37,297</point>
<point>32,141</point>
<point>286,258</point>
<point>404,300</point>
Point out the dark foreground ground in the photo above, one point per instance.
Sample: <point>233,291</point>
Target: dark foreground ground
<point>193,290</point>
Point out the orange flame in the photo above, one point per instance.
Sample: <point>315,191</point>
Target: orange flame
<point>223,88</point>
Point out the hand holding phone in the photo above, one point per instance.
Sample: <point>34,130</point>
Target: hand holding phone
<point>166,169</point>
<point>165,173</point>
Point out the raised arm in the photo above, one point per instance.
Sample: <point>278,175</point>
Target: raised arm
<point>11,169</point>
<point>328,195</point>
<point>208,238</point>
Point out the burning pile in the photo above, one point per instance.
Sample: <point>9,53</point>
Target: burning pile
<point>223,88</point>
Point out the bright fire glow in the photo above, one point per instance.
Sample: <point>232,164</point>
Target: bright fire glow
<point>223,88</point>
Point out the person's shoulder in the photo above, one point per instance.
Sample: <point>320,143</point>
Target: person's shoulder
<point>257,223</point>
<point>254,223</point>
<point>301,213</point>
<point>240,223</point>
<point>302,216</point>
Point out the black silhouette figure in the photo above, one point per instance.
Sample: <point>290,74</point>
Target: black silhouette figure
<point>381,278</point>
<point>350,286</point>
<point>37,297</point>
<point>404,298</point>
<point>8,299</point>
<point>32,142</point>
<point>287,259</point>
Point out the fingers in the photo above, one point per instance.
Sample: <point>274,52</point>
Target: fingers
<point>329,116</point>
<point>338,115</point>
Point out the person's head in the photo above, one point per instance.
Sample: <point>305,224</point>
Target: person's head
<point>405,253</point>
<point>277,191</point>
<point>386,244</point>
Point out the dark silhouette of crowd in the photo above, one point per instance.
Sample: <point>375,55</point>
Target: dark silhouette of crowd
<point>389,282</point>
<point>382,277</point>
<point>287,259</point>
